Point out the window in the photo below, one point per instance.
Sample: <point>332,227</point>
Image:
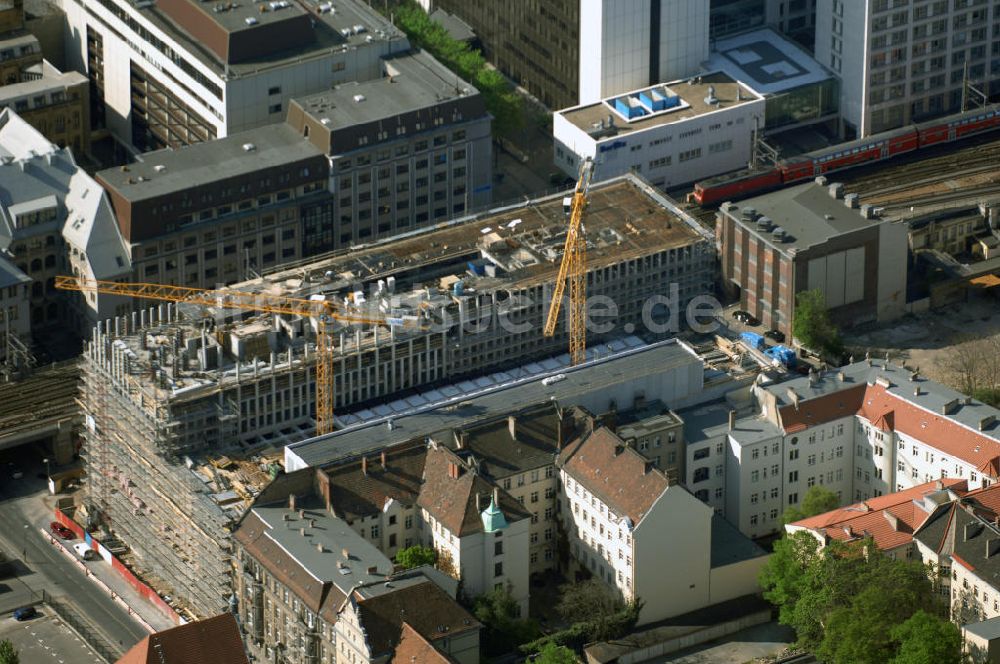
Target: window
<point>793,455</point>
<point>274,108</point>
<point>793,476</point>
<point>701,454</point>
<point>274,90</point>
<point>793,498</point>
<point>498,548</point>
<point>498,569</point>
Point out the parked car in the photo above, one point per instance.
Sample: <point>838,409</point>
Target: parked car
<point>745,317</point>
<point>84,551</point>
<point>776,335</point>
<point>25,613</point>
<point>61,530</point>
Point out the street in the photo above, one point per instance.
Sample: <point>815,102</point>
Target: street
<point>48,569</point>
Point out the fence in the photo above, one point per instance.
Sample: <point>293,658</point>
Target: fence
<point>104,648</point>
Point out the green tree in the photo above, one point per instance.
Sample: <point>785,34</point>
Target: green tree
<point>500,98</point>
<point>498,612</point>
<point>927,639</point>
<point>416,556</point>
<point>989,396</point>
<point>553,654</point>
<point>591,604</point>
<point>784,577</point>
<point>8,653</point>
<point>812,326</point>
<point>816,501</point>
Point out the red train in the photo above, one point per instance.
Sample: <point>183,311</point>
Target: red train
<point>847,155</point>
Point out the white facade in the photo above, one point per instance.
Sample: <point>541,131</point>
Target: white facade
<point>694,141</point>
<point>903,62</point>
<point>227,98</point>
<point>623,46</point>
<point>857,454</point>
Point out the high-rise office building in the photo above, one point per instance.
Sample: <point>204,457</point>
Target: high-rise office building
<point>901,62</point>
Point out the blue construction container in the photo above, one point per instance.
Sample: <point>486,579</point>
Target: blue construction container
<point>782,354</point>
<point>753,340</point>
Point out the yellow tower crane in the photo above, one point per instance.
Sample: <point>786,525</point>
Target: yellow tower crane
<point>574,268</point>
<point>325,312</point>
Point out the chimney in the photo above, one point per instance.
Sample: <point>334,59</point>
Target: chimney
<point>938,484</point>
<point>986,422</point>
<point>364,466</point>
<point>841,377</point>
<point>793,397</point>
<point>382,458</point>
<point>813,378</point>
<point>916,391</point>
<point>479,503</point>
<point>849,531</point>
<point>453,470</point>
<point>291,501</point>
<point>459,439</point>
<point>512,426</point>
<point>992,546</point>
<point>949,407</point>
<point>302,531</point>
<point>302,513</point>
<point>732,420</point>
<point>312,523</point>
<point>373,570</point>
<point>892,519</point>
<point>619,448</point>
<point>345,553</point>
<point>496,496</point>
<point>319,547</point>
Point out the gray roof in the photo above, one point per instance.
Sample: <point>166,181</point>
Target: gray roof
<point>273,145</point>
<point>38,175</point>
<point>711,421</point>
<point>986,629</point>
<point>328,29</point>
<point>462,410</point>
<point>730,546</point>
<point>414,81</point>
<point>456,27</point>
<point>335,536</point>
<point>766,61</point>
<point>10,275</point>
<point>807,213</point>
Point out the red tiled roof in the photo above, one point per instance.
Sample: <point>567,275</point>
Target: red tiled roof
<point>415,649</point>
<point>425,606</point>
<point>875,517</point>
<point>210,641</point>
<point>452,500</point>
<point>890,412</point>
<point>614,472</point>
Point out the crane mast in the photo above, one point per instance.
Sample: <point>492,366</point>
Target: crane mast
<point>573,269</point>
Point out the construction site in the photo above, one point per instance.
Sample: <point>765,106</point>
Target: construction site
<point>189,406</point>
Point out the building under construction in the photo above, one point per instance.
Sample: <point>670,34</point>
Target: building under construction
<point>188,406</point>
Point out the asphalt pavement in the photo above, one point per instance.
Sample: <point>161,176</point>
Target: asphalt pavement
<point>21,515</point>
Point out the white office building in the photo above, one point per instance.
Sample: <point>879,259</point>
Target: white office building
<point>901,62</point>
<point>670,133</point>
<point>628,44</point>
<point>176,72</point>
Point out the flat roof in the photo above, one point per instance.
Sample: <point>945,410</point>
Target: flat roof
<point>693,93</point>
<point>626,218</point>
<point>730,546</point>
<point>333,31</point>
<point>807,213</point>
<point>284,527</point>
<point>711,420</point>
<point>202,163</point>
<point>414,81</point>
<point>232,16</point>
<point>52,80</point>
<point>985,629</point>
<point>462,410</point>
<point>766,61</point>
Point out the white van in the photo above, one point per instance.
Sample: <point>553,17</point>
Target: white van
<point>84,551</point>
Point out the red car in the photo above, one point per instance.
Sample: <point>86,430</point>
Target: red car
<point>61,530</point>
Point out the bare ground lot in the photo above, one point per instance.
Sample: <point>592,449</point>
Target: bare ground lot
<point>927,341</point>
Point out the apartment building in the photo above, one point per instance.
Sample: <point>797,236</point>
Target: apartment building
<point>55,103</point>
<point>309,588</point>
<point>812,237</point>
<point>407,149</point>
<point>670,133</point>
<point>890,520</point>
<point>219,212</point>
<point>582,51</point>
<point>796,19</point>
<point>179,72</point>
<point>15,306</point>
<point>901,62</point>
<point>863,431</point>
<point>655,432</point>
<point>54,219</point>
